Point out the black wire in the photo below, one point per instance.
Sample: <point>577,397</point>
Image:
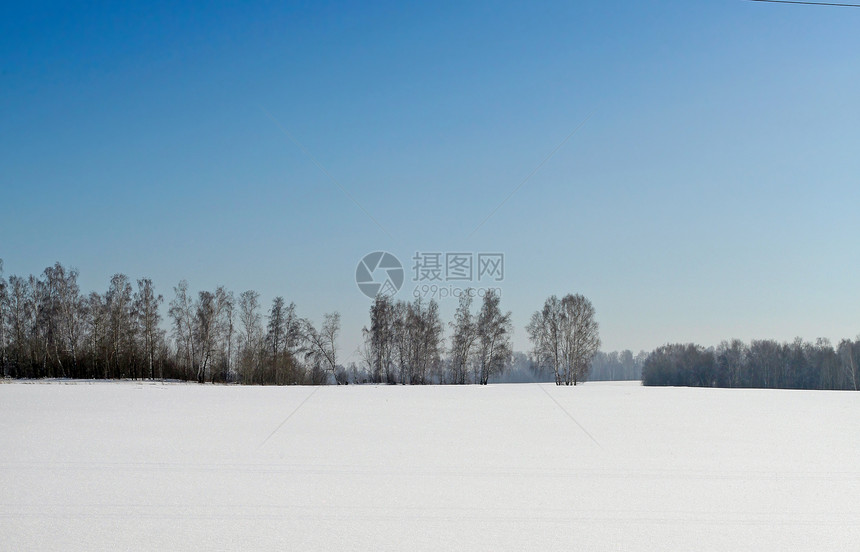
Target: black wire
<point>808,3</point>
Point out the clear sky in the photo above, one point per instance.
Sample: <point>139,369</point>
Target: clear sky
<point>712,192</point>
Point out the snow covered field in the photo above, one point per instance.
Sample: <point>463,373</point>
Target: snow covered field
<point>131,466</point>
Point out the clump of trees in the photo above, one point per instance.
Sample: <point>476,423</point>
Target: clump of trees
<point>49,329</point>
<point>566,337</point>
<point>761,364</point>
<point>405,343</point>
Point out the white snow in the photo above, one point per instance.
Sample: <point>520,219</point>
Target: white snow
<point>131,466</point>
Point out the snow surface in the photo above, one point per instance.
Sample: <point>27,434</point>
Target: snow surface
<point>131,466</point>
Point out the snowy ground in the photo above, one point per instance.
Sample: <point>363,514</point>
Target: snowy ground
<point>126,466</point>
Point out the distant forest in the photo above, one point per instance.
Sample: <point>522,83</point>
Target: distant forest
<point>760,364</point>
<point>49,329</point>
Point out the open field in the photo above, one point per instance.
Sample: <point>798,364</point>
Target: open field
<point>141,466</point>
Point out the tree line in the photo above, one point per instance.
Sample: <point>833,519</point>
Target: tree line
<point>761,364</point>
<point>50,329</point>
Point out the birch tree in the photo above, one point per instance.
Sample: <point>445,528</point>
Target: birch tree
<point>380,338</point>
<point>212,327</point>
<point>428,336</point>
<point>226,330</point>
<point>463,336</point>
<point>580,334</point>
<point>182,314</point>
<point>18,316</point>
<point>320,347</point>
<point>96,324</point>
<point>493,338</point>
<point>71,311</point>
<point>849,360</point>
<point>545,333</point>
<point>282,339</point>
<point>251,337</point>
<point>4,302</point>
<point>146,304</point>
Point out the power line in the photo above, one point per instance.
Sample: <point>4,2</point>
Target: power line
<point>808,3</point>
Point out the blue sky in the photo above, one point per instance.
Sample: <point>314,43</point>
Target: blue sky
<point>711,193</point>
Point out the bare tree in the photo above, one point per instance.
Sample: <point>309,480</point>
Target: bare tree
<point>277,327</point>
<point>282,339</point>
<point>146,304</point>
<point>581,339</point>
<point>251,349</point>
<point>50,315</point>
<point>60,317</point>
<point>121,332</point>
<point>182,313</point>
<point>380,338</point>
<point>849,361</point>
<point>545,333</point>
<point>320,347</point>
<point>96,324</point>
<point>364,372</point>
<point>429,347</point>
<point>463,336</point>
<point>4,308</point>
<point>731,359</point>
<point>71,308</point>
<point>38,326</point>
<point>493,331</point>
<point>18,316</point>
<point>205,329</point>
<point>402,328</point>
<point>211,329</point>
<point>226,330</point>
